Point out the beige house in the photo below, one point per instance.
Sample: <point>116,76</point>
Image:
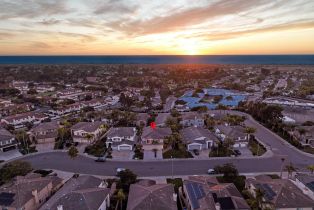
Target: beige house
<point>154,138</point>
<point>86,132</point>
<point>28,192</point>
<point>81,193</point>
<point>279,194</point>
<point>146,194</point>
<point>45,132</point>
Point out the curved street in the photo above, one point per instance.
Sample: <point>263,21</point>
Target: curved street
<point>280,149</point>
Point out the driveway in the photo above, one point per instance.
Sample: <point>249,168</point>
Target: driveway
<point>150,155</point>
<point>245,151</point>
<point>47,147</point>
<point>203,154</point>
<point>10,155</point>
<point>122,155</point>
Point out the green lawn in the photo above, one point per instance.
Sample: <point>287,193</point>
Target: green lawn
<point>256,148</point>
<point>177,154</point>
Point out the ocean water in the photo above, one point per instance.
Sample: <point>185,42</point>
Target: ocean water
<point>166,59</point>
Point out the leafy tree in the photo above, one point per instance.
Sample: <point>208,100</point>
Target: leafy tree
<point>310,168</point>
<point>229,171</point>
<point>290,169</point>
<point>127,177</point>
<point>259,195</point>
<point>249,131</point>
<point>73,152</point>
<point>13,169</point>
<point>120,197</point>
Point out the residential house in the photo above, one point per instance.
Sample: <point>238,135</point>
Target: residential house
<point>141,119</point>
<point>152,196</point>
<point>235,133</point>
<point>7,140</point>
<point>81,193</point>
<point>279,193</point>
<point>197,138</point>
<point>19,120</point>
<point>161,119</point>
<point>153,138</point>
<point>305,134</point>
<point>192,119</point>
<point>28,192</point>
<point>86,132</point>
<point>206,193</point>
<point>45,132</point>
<point>305,182</point>
<point>121,138</point>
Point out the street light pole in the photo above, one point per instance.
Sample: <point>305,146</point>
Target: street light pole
<point>172,167</point>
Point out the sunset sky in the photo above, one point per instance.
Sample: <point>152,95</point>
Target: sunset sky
<point>154,27</point>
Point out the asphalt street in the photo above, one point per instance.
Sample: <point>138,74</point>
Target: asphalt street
<point>282,151</point>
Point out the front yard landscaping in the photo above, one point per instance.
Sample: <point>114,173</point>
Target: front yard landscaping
<point>177,154</point>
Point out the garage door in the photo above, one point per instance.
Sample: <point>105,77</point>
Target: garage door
<point>195,146</point>
<point>236,145</point>
<point>242,144</point>
<point>125,147</point>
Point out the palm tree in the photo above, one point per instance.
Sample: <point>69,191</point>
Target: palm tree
<point>89,137</point>
<point>120,197</point>
<point>73,152</point>
<point>249,131</point>
<point>290,169</point>
<point>259,195</point>
<point>310,168</point>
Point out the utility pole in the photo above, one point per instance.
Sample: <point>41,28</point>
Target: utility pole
<point>172,167</point>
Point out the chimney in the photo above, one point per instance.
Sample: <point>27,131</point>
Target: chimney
<point>174,197</point>
<point>35,194</point>
<point>60,207</point>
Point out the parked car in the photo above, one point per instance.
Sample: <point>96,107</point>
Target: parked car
<point>211,171</point>
<point>120,170</point>
<point>196,152</point>
<point>100,159</point>
<point>237,152</point>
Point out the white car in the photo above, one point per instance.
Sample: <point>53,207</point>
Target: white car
<point>211,171</point>
<point>120,169</point>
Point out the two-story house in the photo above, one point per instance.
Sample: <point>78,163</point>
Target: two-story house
<point>7,140</point>
<point>197,138</point>
<point>192,119</point>
<point>45,132</point>
<point>86,132</point>
<point>235,133</point>
<point>121,138</point>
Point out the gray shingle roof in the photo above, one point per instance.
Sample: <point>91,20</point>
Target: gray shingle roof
<point>157,133</point>
<point>287,195</point>
<point>87,126</point>
<point>152,197</point>
<point>73,185</point>
<point>5,135</point>
<point>47,126</point>
<point>232,131</point>
<point>191,133</point>
<point>121,131</point>
<point>87,199</point>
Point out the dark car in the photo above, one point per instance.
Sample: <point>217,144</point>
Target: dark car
<point>100,159</point>
<point>237,152</point>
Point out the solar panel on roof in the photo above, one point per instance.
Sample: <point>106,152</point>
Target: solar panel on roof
<point>310,185</point>
<point>6,199</point>
<point>195,192</point>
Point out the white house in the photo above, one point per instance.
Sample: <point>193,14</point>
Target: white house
<point>197,138</point>
<point>86,132</point>
<point>121,138</point>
